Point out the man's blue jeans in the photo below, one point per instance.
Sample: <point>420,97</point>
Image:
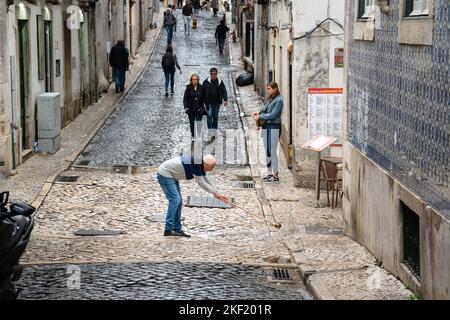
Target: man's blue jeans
<point>213,116</point>
<point>170,77</point>
<point>119,78</point>
<point>169,30</point>
<point>171,188</point>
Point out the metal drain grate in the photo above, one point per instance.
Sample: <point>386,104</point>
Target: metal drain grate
<point>67,178</point>
<point>325,230</point>
<point>84,162</point>
<point>245,185</point>
<point>244,178</point>
<point>207,202</point>
<point>281,275</point>
<point>93,233</point>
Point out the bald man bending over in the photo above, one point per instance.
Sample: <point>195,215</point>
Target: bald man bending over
<point>184,168</point>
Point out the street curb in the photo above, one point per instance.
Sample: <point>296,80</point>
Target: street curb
<point>310,278</point>
<point>39,199</point>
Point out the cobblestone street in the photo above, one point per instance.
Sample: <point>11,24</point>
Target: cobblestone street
<point>229,256</point>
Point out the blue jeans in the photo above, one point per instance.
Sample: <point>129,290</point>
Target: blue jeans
<point>213,116</point>
<point>271,136</point>
<point>170,77</point>
<point>171,188</point>
<point>119,78</point>
<point>169,30</point>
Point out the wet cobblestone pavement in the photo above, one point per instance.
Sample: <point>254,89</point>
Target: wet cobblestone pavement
<point>142,281</point>
<point>149,128</point>
<point>140,263</point>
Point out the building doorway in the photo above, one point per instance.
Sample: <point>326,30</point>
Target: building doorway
<point>24,65</point>
<point>48,56</point>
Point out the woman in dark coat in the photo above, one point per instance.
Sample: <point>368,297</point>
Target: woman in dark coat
<point>193,102</point>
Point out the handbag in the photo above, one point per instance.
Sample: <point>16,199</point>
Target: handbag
<point>260,122</point>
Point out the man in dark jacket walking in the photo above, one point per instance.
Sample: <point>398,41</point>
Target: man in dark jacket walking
<point>221,34</point>
<point>169,22</point>
<point>214,93</point>
<point>187,14</point>
<point>118,60</point>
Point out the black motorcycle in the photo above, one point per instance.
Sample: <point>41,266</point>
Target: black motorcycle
<point>16,224</point>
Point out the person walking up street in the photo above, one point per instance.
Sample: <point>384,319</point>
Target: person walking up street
<point>221,34</point>
<point>119,61</point>
<point>180,4</point>
<point>168,63</point>
<point>169,22</point>
<point>196,6</point>
<point>270,120</point>
<point>215,7</point>
<point>215,94</point>
<point>187,15</point>
<point>193,102</point>
<point>169,174</point>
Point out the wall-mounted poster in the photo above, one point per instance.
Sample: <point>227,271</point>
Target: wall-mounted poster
<point>339,57</point>
<point>325,112</point>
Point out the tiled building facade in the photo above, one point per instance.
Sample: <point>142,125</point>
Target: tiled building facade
<point>398,130</point>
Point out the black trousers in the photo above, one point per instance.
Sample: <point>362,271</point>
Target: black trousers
<point>221,44</point>
<point>195,117</point>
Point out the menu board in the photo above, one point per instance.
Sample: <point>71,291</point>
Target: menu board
<point>325,112</point>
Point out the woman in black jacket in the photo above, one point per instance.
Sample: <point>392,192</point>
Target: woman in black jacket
<point>193,102</point>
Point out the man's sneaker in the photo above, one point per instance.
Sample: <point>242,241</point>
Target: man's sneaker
<point>167,94</point>
<point>267,178</point>
<point>182,234</point>
<point>273,179</point>
<point>170,233</point>
<point>172,93</point>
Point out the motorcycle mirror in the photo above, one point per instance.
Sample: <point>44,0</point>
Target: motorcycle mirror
<point>4,197</point>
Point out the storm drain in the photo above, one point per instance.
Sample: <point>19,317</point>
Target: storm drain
<point>325,230</point>
<point>244,178</point>
<point>94,233</point>
<point>245,185</point>
<point>207,202</point>
<point>67,178</point>
<point>281,275</point>
<point>84,162</point>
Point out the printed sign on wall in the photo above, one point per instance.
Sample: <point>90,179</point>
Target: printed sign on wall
<point>325,112</point>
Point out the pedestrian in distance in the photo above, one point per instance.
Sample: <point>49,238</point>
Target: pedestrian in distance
<point>169,22</point>
<point>168,63</point>
<point>184,167</point>
<point>196,6</point>
<point>180,4</point>
<point>269,119</point>
<point>215,7</point>
<point>187,15</point>
<point>221,35</point>
<point>193,102</point>
<point>119,61</point>
<point>215,94</point>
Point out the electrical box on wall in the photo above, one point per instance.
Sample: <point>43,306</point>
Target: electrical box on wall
<point>49,122</point>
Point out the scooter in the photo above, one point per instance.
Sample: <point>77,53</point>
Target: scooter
<point>16,224</point>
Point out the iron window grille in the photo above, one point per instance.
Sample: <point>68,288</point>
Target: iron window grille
<point>411,239</point>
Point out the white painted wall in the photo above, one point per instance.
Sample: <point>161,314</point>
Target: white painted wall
<point>313,66</point>
<point>58,50</point>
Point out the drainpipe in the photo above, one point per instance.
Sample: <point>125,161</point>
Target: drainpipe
<point>13,108</point>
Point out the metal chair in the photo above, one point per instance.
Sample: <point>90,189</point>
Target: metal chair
<point>333,182</point>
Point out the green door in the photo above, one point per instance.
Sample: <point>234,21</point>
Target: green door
<point>48,56</point>
<point>24,79</point>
